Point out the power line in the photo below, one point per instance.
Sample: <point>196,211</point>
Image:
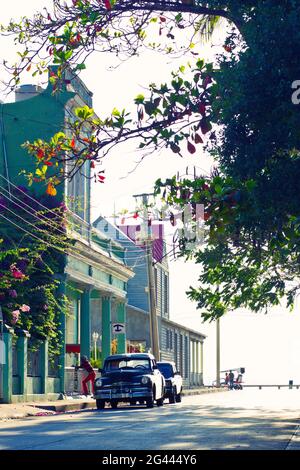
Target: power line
<point>32,235</point>
<point>34,214</point>
<point>31,224</point>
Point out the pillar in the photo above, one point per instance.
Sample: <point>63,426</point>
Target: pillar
<point>61,293</point>
<point>85,324</point>
<point>201,361</point>
<point>106,327</point>
<point>197,361</point>
<point>44,366</point>
<point>121,318</point>
<point>7,367</point>
<point>193,362</point>
<point>22,348</point>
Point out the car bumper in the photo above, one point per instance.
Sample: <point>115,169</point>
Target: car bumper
<point>131,395</point>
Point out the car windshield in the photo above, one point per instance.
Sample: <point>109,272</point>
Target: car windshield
<point>166,370</point>
<point>114,365</point>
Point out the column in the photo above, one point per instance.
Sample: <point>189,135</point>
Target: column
<point>7,367</point>
<point>201,361</point>
<point>121,318</point>
<point>85,324</point>
<point>193,362</point>
<point>22,348</point>
<point>61,294</point>
<point>106,327</point>
<point>197,361</point>
<point>44,366</point>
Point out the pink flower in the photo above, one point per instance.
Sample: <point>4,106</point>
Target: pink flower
<point>25,308</point>
<point>18,274</point>
<point>15,314</point>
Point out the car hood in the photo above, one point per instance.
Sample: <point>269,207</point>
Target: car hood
<point>123,376</point>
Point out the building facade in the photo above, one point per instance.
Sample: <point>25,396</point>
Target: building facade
<point>95,276</point>
<point>182,345</point>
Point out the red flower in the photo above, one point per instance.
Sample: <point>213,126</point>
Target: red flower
<point>18,274</point>
<point>40,153</point>
<point>107,4</point>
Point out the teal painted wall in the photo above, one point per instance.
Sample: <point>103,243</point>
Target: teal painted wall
<point>39,117</point>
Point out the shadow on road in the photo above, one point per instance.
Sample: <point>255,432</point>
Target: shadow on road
<point>171,427</point>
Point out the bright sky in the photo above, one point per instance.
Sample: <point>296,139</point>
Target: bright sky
<point>268,346</point>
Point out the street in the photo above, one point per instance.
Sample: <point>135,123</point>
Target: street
<point>250,419</point>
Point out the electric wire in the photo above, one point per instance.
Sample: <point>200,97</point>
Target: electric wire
<point>34,214</point>
<point>32,235</point>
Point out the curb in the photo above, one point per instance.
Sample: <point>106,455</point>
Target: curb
<point>49,409</point>
<point>64,407</point>
<point>201,391</point>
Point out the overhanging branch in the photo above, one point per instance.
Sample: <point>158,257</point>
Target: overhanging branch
<point>175,7</point>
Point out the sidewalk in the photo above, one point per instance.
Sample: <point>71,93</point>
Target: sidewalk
<point>24,410</point>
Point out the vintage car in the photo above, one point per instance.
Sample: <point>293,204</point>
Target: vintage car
<point>173,379</point>
<point>130,378</point>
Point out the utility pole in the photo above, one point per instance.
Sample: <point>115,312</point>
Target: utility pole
<point>154,337</point>
<point>218,384</point>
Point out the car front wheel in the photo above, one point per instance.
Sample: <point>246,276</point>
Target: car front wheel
<point>160,402</point>
<point>150,401</point>
<point>100,404</point>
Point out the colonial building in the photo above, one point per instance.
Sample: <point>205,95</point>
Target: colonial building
<point>182,345</point>
<point>96,274</point>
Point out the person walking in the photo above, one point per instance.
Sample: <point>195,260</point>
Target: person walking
<point>86,365</point>
<point>226,379</point>
<point>231,380</point>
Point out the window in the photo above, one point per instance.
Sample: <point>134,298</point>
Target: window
<point>186,357</point>
<point>166,370</point>
<point>139,364</point>
<point>155,282</point>
<point>73,323</point>
<point>176,349</point>
<point>168,339</point>
<point>181,354</point>
<point>166,294</point>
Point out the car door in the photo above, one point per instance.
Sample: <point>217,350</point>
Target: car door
<point>178,380</point>
<point>157,380</point>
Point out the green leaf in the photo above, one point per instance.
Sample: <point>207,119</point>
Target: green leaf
<point>139,99</point>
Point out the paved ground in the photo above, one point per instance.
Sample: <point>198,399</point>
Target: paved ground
<point>249,419</point>
<point>23,410</point>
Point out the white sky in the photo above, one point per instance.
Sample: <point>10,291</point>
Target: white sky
<point>268,346</point>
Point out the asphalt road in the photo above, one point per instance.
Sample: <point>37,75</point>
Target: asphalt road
<point>249,419</point>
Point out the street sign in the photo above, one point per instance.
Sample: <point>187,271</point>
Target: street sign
<point>118,328</point>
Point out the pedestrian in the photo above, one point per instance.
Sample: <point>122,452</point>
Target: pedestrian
<point>226,379</point>
<point>231,380</point>
<point>86,365</point>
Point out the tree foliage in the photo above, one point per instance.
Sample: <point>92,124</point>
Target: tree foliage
<point>33,242</point>
<point>239,107</point>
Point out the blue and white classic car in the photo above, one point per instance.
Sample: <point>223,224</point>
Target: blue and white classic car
<point>130,378</point>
